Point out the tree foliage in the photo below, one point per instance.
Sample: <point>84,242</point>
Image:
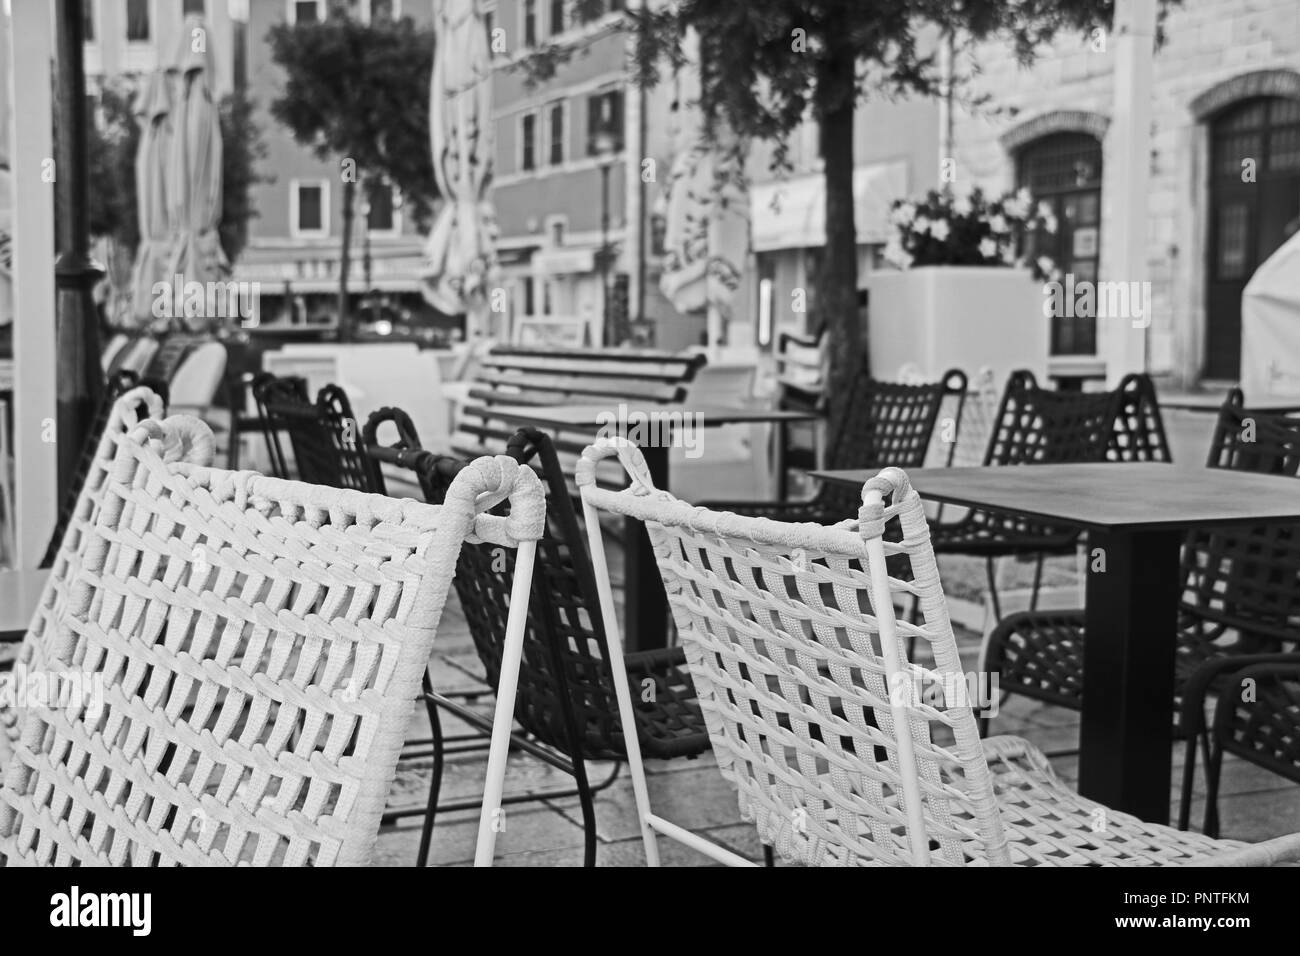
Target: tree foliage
<point>360,92</point>
<point>766,66</point>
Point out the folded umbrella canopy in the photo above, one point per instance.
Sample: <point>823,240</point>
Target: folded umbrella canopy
<point>153,113</point>
<point>193,181</point>
<point>460,261</point>
<point>706,220</point>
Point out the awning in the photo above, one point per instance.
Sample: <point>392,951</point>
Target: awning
<point>791,213</point>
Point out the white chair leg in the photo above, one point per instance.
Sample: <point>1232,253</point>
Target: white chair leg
<point>504,717</point>
<point>618,671</point>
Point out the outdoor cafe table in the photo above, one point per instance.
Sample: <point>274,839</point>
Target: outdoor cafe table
<point>1137,514</point>
<point>646,604</point>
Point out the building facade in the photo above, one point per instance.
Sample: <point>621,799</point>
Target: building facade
<point>133,37</point>
<point>1225,167</point>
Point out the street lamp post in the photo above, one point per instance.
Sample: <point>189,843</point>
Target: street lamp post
<point>605,147</point>
<point>79,380</point>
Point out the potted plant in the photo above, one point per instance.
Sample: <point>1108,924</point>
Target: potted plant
<point>967,292</point>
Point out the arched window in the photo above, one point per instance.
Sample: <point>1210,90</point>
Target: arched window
<point>1064,171</point>
<point>1254,204</point>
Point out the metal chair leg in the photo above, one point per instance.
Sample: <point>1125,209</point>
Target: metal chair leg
<point>435,777</point>
<point>769,858</point>
<point>588,813</point>
<point>991,569</point>
<point>1038,581</point>
<point>1213,765</point>
<point>1189,778</point>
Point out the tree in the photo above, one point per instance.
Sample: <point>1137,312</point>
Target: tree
<point>358,95</point>
<point>765,65</point>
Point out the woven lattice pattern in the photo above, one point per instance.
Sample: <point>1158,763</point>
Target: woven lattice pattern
<point>1263,726</point>
<point>883,424</point>
<point>325,437</point>
<point>256,646</point>
<point>124,413</point>
<point>808,693</point>
<point>565,663</point>
<point>1138,432</point>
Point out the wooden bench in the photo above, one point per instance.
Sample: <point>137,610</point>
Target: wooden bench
<point>511,375</point>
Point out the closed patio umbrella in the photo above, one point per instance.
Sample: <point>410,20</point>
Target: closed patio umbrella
<point>194,167</point>
<point>153,113</point>
<point>460,261</point>
<point>706,222</point>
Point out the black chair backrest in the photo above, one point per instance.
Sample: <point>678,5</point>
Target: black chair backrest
<point>884,424</point>
<point>1139,430</point>
<point>117,385</point>
<point>325,435</point>
<point>1036,425</point>
<point>565,657</point>
<point>1249,578</point>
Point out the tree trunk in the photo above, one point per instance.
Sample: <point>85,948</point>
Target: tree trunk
<point>837,290</point>
<point>345,261</point>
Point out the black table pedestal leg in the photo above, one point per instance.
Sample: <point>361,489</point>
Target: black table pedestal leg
<point>646,603</point>
<point>1128,671</point>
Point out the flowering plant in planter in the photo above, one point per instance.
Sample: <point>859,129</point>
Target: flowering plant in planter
<point>972,230</point>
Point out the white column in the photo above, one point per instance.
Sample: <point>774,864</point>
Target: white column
<point>33,268</point>
<point>1126,179</point>
<point>634,152</point>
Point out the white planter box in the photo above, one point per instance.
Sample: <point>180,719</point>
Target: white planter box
<point>934,318</point>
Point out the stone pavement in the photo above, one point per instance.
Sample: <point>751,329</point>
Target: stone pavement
<point>1253,805</point>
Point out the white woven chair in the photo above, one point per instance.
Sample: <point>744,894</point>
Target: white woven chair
<point>813,707</point>
<point>254,649</point>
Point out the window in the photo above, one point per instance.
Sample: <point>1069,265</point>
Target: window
<point>309,208</point>
<point>306,11</point>
<point>195,7</point>
<point>555,114</point>
<point>1064,171</point>
<point>529,9</point>
<point>557,226</point>
<point>605,113</point>
<point>137,21</point>
<point>88,20</point>
<point>557,17</point>
<point>528,295</point>
<point>373,11</point>
<point>382,203</point>
<point>528,142</point>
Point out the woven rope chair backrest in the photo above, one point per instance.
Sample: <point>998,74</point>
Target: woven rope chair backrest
<point>564,662</point>
<point>325,437</point>
<point>1139,429</point>
<point>254,647</point>
<point>803,677</point>
<point>1036,425</point>
<point>117,385</point>
<point>125,413</point>
<point>1249,578</point>
<point>884,424</point>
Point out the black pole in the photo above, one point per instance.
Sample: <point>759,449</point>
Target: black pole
<point>80,383</point>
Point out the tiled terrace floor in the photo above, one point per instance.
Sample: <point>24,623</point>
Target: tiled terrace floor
<point>1254,804</point>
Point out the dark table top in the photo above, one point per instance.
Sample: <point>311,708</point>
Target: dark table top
<point>1132,496</point>
<point>598,416</point>
<point>1211,402</point>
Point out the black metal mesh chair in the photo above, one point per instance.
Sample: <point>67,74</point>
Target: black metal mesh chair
<point>324,435</point>
<point>885,423</point>
<point>117,385</point>
<point>565,707</point>
<point>1240,608</point>
<point>1036,425</point>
